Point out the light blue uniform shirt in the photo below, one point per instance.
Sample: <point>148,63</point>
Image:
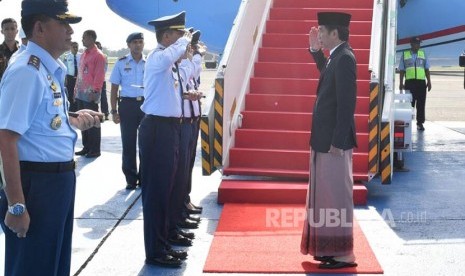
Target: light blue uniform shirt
<point>68,60</point>
<point>161,85</point>
<point>28,105</point>
<point>188,70</point>
<point>128,73</point>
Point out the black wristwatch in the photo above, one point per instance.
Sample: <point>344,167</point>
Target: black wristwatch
<point>114,111</point>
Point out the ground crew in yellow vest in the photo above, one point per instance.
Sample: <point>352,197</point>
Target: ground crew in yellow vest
<point>414,66</point>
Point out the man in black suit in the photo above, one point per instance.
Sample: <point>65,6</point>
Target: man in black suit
<point>332,139</point>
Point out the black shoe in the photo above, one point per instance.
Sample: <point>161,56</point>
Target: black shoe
<point>165,261</point>
<point>323,259</point>
<point>188,224</point>
<point>195,218</point>
<point>92,154</point>
<point>180,240</point>
<point>81,152</point>
<point>420,127</point>
<point>192,209</point>
<point>333,264</point>
<point>180,254</point>
<point>186,234</point>
<point>131,186</point>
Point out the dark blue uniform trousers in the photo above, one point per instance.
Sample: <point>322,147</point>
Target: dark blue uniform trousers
<point>159,152</point>
<point>130,117</point>
<point>180,185</point>
<point>103,99</point>
<point>46,250</point>
<point>193,151</point>
<point>90,138</point>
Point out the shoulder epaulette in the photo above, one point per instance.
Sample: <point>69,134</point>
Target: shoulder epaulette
<point>34,61</point>
<point>123,58</point>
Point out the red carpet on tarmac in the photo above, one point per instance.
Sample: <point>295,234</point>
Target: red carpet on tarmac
<point>265,238</point>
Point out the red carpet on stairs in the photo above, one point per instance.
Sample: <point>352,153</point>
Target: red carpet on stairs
<point>273,140</point>
<point>265,238</point>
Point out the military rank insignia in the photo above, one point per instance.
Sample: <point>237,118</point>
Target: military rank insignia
<point>57,102</point>
<point>34,61</point>
<point>56,122</point>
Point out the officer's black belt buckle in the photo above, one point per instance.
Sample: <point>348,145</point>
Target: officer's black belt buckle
<point>47,167</point>
<point>137,99</point>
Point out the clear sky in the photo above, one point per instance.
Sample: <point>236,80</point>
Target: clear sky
<point>111,29</point>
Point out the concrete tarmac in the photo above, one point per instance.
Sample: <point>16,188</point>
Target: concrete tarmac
<point>414,225</point>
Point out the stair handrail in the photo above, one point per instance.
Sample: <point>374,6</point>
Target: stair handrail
<point>388,106</point>
<point>224,58</point>
<point>376,38</point>
<point>233,76</point>
<point>390,58</point>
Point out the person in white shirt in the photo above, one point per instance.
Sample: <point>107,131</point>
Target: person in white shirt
<point>71,60</point>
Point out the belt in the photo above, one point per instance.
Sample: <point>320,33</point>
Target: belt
<point>175,120</point>
<point>137,99</point>
<point>47,167</point>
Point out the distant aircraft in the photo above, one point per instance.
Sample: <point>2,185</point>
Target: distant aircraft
<point>435,22</point>
<point>214,18</point>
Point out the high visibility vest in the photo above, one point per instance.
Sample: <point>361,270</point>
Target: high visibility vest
<point>414,68</point>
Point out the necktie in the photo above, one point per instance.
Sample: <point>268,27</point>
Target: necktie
<point>75,66</point>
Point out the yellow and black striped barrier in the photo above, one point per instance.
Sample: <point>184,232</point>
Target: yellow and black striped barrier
<point>385,145</point>
<point>218,131</point>
<point>207,167</point>
<point>212,134</point>
<point>373,125</point>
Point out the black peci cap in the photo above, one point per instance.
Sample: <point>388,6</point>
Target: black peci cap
<point>173,22</point>
<point>334,18</point>
<point>133,36</point>
<point>195,37</point>
<point>54,9</point>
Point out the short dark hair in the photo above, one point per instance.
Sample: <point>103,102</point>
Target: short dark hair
<point>99,45</point>
<point>28,22</point>
<point>92,34</point>
<point>343,32</point>
<point>8,20</point>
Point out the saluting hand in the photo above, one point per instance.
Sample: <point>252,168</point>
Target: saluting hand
<point>313,41</point>
<point>188,35</point>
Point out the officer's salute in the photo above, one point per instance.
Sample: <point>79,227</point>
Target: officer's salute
<point>37,144</point>
<point>160,134</point>
<point>128,73</point>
